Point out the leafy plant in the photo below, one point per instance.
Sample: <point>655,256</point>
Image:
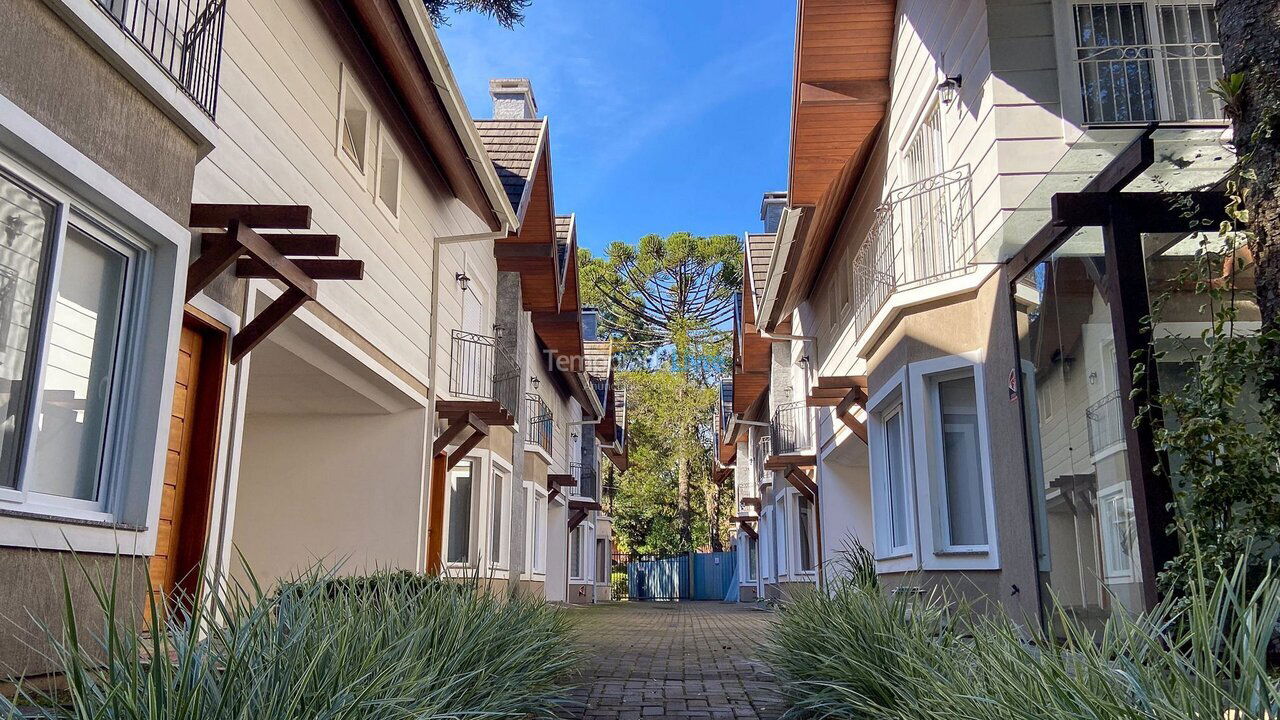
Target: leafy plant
<point>1217,425</point>
<point>387,645</point>
<point>858,652</point>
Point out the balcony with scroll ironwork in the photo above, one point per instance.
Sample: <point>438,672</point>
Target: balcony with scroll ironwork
<point>790,430</point>
<point>540,424</point>
<point>182,37</point>
<point>483,374</point>
<point>1105,421</point>
<point>923,234</point>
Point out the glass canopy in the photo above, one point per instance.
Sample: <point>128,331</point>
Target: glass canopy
<point>1185,158</point>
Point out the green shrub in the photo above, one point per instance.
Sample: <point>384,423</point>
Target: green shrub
<point>388,645</point>
<point>618,580</point>
<point>858,652</point>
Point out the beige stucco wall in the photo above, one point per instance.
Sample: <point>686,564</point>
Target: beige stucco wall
<point>330,489</point>
<point>981,322</point>
<point>56,77</point>
<point>31,586</point>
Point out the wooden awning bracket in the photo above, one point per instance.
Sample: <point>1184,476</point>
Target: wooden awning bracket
<point>458,425</point>
<point>576,519</point>
<point>272,256</point>
<point>801,481</point>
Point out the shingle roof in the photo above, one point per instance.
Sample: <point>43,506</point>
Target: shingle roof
<point>597,355</point>
<point>564,223</point>
<point>759,251</point>
<point>512,146</point>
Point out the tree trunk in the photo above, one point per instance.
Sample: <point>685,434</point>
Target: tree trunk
<point>714,509</point>
<point>1249,32</point>
<point>682,503</point>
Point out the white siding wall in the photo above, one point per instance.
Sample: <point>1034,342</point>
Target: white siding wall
<point>281,74</point>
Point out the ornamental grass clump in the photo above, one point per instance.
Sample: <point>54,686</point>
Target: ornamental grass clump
<point>386,646</point>
<point>859,652</point>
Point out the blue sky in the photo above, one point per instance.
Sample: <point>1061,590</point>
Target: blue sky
<point>665,116</point>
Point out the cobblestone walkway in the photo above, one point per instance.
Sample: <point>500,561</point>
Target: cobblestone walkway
<point>673,660</point>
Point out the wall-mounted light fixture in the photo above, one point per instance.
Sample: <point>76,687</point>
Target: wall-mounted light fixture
<point>499,331</point>
<point>575,436</point>
<point>534,382</point>
<point>463,280</point>
<point>804,361</point>
<point>949,89</point>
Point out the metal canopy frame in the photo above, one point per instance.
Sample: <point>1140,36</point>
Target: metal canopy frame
<point>1123,217</point>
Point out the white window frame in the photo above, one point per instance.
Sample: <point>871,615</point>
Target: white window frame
<point>584,560</point>
<point>595,565</point>
<point>386,145</point>
<point>31,150</point>
<point>1064,32</point>
<point>799,528</point>
<point>1106,498</point>
<point>479,471</point>
<point>893,398</point>
<point>781,547</point>
<point>930,495</point>
<point>536,568</point>
<point>348,89</point>
<point>765,545</point>
<point>112,482</point>
<point>498,468</point>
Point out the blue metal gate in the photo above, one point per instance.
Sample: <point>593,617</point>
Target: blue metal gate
<point>695,576</point>
<point>659,578</point>
<point>712,575</point>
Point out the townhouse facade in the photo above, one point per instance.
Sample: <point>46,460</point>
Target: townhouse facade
<point>279,303</point>
<point>940,335</point>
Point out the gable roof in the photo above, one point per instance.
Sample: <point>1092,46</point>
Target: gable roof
<point>515,147</point>
<point>759,252</point>
<point>598,358</point>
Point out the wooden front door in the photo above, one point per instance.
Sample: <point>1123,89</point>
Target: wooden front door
<point>190,461</point>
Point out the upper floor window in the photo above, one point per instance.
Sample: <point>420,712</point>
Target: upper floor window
<point>67,290</point>
<point>1146,61</point>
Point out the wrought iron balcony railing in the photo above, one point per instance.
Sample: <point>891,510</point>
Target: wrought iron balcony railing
<point>183,37</point>
<point>790,429</point>
<point>587,482</point>
<point>923,234</point>
<point>541,424</point>
<point>482,370</point>
<point>1106,423</point>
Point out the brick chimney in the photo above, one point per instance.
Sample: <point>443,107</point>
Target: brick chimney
<point>513,99</point>
<point>771,210</point>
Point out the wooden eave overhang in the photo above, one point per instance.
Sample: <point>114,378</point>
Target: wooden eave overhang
<point>396,59</point>
<point>840,94</point>
<point>561,331</point>
<point>750,354</point>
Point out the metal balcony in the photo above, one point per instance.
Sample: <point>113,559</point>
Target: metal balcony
<point>587,483</point>
<point>760,453</point>
<point>1106,423</point>
<point>790,430</point>
<point>922,235</point>
<point>541,424</point>
<point>183,37</point>
<point>481,370</point>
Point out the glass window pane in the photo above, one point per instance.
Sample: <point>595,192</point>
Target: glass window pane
<point>897,481</point>
<point>80,369</point>
<point>1078,457</point>
<point>460,513</point>
<point>26,224</point>
<point>962,462</point>
<point>806,534</point>
<point>495,520</point>
<point>1113,55</point>
<point>575,553</point>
